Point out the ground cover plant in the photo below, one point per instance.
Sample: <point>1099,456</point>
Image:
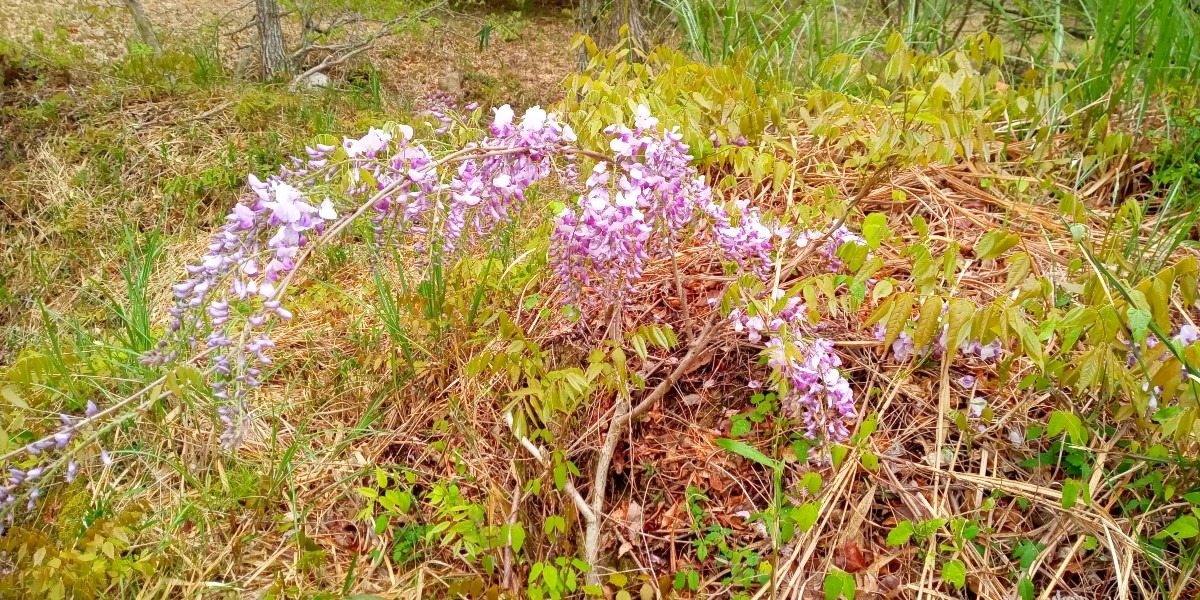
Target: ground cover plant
<point>877,300</point>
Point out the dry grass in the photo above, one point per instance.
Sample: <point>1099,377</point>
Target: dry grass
<point>671,449</point>
<point>336,408</point>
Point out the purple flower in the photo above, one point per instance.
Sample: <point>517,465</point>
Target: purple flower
<point>1187,335</point>
<point>975,406</point>
<point>812,388</point>
<point>903,347</point>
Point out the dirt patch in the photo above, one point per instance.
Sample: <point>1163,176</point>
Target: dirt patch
<point>524,59</point>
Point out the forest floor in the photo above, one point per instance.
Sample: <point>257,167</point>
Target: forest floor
<point>101,149</point>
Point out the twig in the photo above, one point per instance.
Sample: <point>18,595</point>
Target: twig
<point>384,30</point>
<point>591,540</point>
<point>683,303</point>
<point>863,191</point>
<point>570,488</point>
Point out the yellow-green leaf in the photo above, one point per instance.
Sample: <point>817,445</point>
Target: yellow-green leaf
<point>927,323</point>
<point>901,309</point>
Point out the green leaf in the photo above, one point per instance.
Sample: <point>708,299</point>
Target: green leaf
<point>959,314</point>
<point>1018,270</point>
<point>1031,343</point>
<point>870,461</point>
<point>994,243</point>
<point>838,584</point>
<point>516,536</point>
<point>12,394</point>
<point>740,427</point>
<point>1025,589</point>
<point>950,262</point>
<point>1070,493</point>
<point>639,346</point>
<point>806,515</point>
<point>838,454</point>
<point>746,451</point>
<point>874,229</point>
<point>1139,321</point>
<point>900,535</point>
<point>901,310</point>
<point>882,289</point>
<point>1183,528</point>
<point>1061,421</point>
<point>812,482</point>
<point>921,226</point>
<point>560,476</point>
<point>880,311</point>
<point>173,385</point>
<point>927,322</point>
<point>954,572</point>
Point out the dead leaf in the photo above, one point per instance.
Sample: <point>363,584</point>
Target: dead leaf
<point>634,515</point>
<point>850,558</point>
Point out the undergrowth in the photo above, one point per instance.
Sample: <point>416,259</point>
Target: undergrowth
<point>993,252</point>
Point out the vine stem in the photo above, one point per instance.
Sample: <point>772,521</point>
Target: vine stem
<point>625,414</point>
<point>84,422</point>
<point>53,467</point>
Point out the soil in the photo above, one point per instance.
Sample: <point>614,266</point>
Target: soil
<point>525,59</point>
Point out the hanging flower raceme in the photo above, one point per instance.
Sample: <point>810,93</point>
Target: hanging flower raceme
<point>805,368</point>
<point>635,207</point>
<point>41,462</point>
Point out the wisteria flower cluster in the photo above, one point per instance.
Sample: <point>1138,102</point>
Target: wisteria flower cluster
<point>247,259</point>
<point>638,201</point>
<point>637,205</point>
<point>45,455</point>
<point>444,107</point>
<point>252,256</point>
<point>813,390</point>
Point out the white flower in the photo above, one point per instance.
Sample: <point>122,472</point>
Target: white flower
<point>502,181</point>
<point>535,119</point>
<point>619,146</point>
<point>374,142</point>
<point>1016,437</point>
<point>504,116</point>
<point>568,134</point>
<point>642,118</point>
<point>406,132</point>
<point>327,212</point>
<point>975,408</point>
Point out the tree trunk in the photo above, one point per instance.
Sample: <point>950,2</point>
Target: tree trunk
<point>270,34</point>
<point>145,30</point>
<point>585,22</point>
